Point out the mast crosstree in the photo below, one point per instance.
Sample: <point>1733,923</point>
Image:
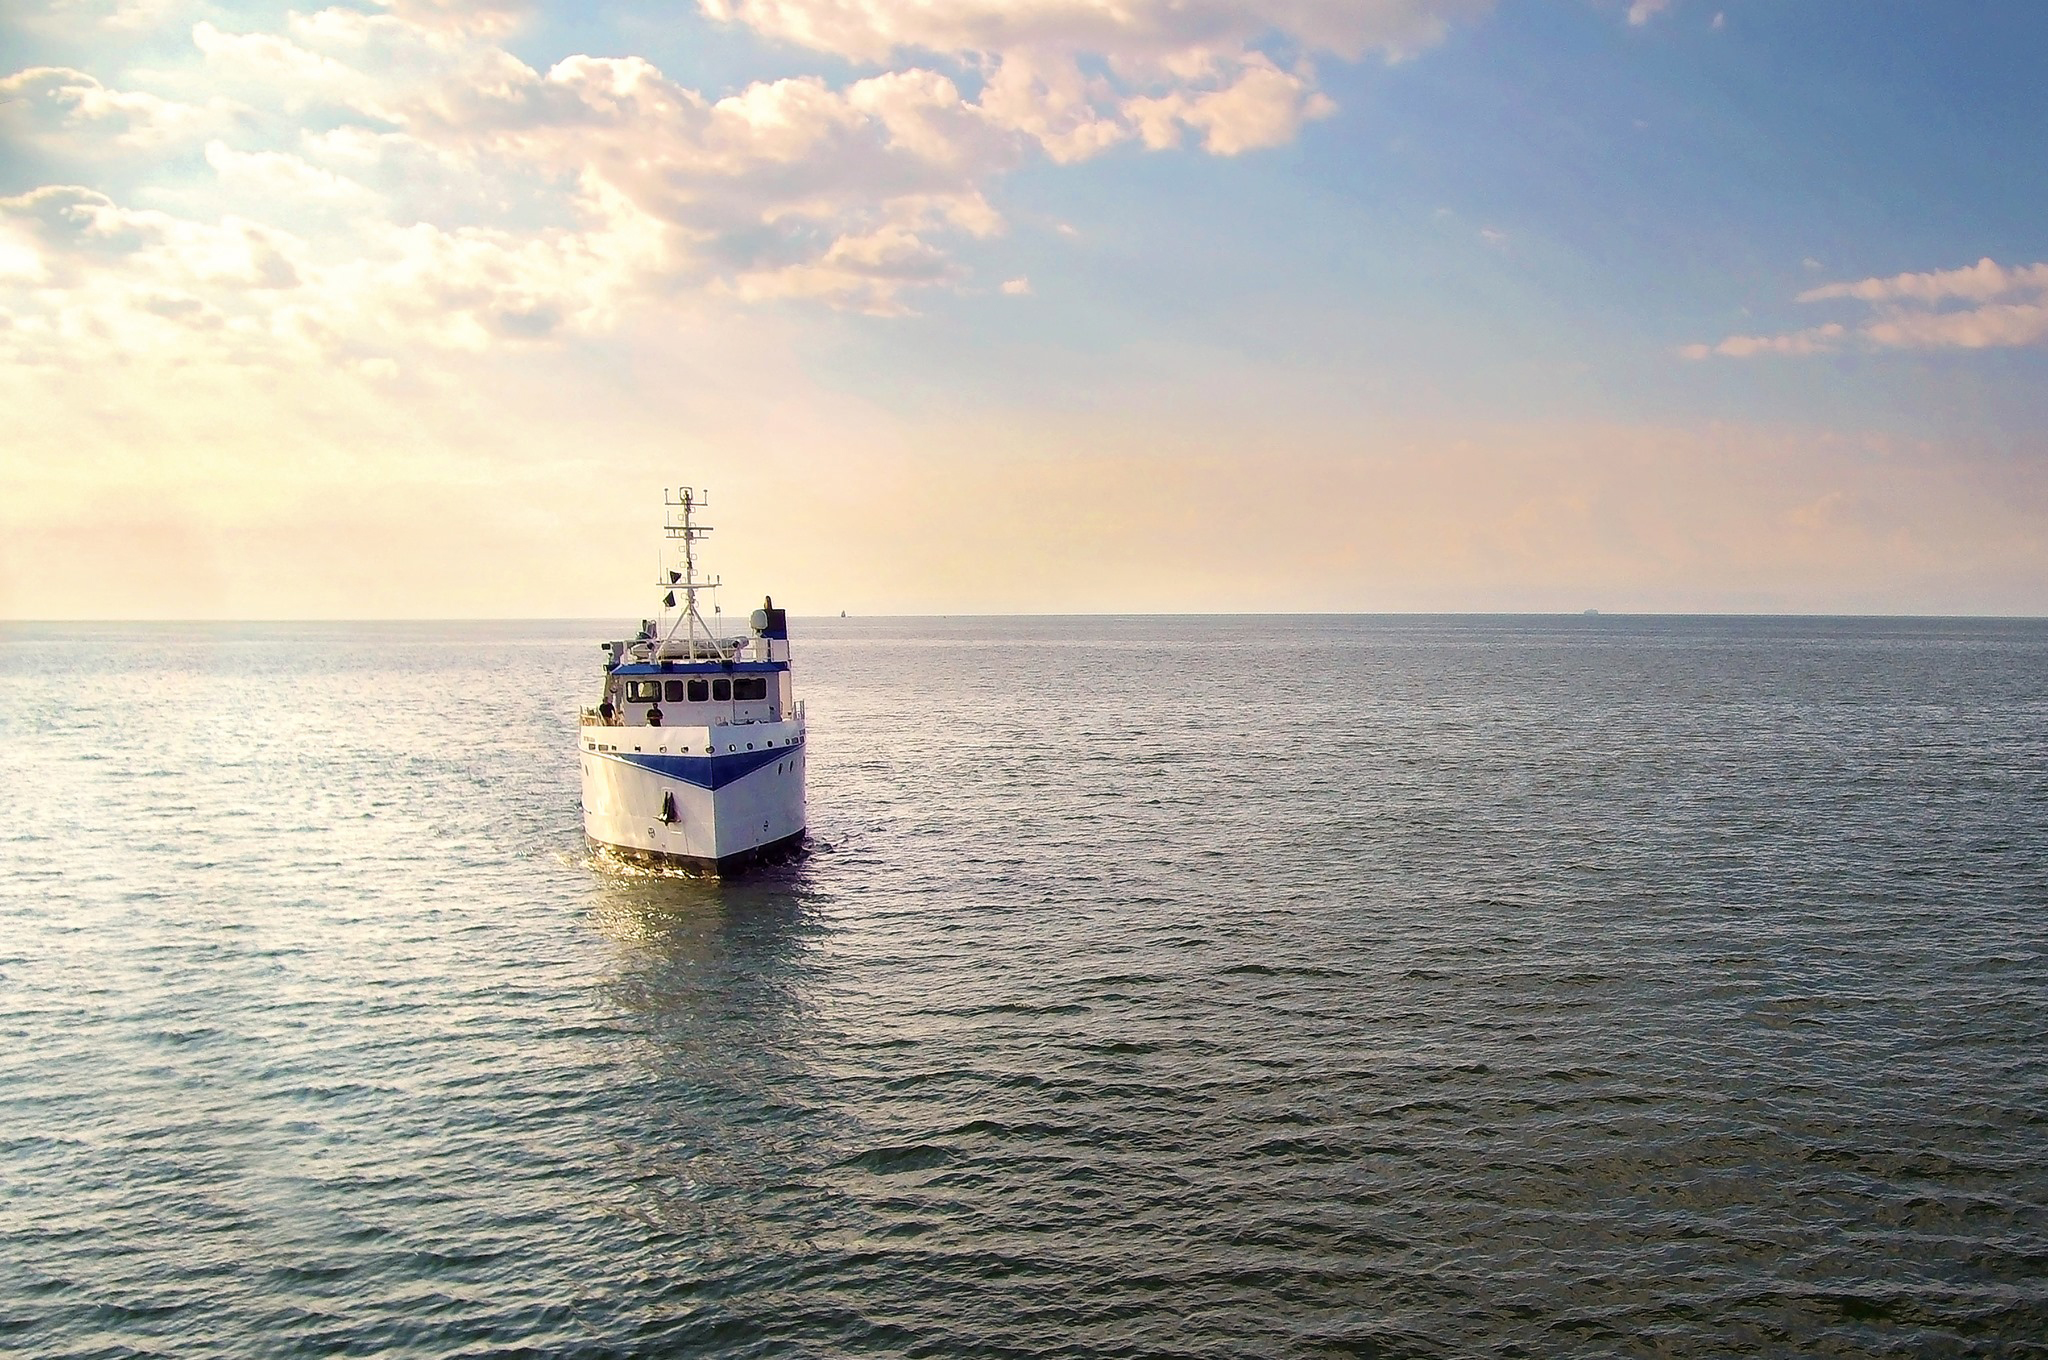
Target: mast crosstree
<point>680,524</point>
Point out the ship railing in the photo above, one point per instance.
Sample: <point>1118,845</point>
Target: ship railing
<point>590,717</point>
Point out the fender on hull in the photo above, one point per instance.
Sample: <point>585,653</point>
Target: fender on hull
<point>774,852</point>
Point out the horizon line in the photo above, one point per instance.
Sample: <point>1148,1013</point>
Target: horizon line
<point>1082,614</point>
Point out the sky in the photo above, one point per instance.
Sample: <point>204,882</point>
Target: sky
<point>412,309</point>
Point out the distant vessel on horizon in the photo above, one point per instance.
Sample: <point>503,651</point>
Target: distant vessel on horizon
<point>693,756</point>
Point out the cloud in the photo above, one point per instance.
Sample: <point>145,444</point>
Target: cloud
<point>2000,326</point>
<point>1126,31</point>
<point>80,232</point>
<point>1640,12</point>
<point>1815,340</point>
<point>274,64</point>
<point>274,174</point>
<point>613,188</point>
<point>74,111</point>
<point>1080,76</point>
<point>489,17</point>
<point>1263,107</point>
<point>112,280</point>
<point>116,18</point>
<point>1049,100</point>
<point>870,270</point>
<point>395,173</point>
<point>1979,282</point>
<point>1999,307</point>
<point>839,187</point>
<point>101,278</point>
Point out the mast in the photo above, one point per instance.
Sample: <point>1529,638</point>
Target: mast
<point>679,523</point>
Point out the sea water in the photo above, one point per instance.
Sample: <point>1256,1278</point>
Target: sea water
<point>1272,986</point>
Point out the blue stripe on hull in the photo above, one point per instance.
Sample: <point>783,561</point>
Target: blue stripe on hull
<point>708,772</point>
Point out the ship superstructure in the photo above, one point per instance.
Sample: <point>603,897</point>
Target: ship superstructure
<point>693,756</point>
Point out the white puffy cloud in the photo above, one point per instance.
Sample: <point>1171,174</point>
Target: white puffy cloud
<point>276,173</point>
<point>624,188</point>
<point>274,64</point>
<point>73,109</point>
<point>1071,115</point>
<point>117,19</point>
<point>1080,76</point>
<point>395,174</point>
<point>1980,282</point>
<point>1123,30</point>
<point>102,277</point>
<point>1814,340</point>
<point>870,269</point>
<point>490,17</point>
<point>106,278</point>
<point>1264,107</point>
<point>1993,326</point>
<point>472,287</point>
<point>2000,307</point>
<point>78,231</point>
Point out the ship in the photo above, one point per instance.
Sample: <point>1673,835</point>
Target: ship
<point>693,755</point>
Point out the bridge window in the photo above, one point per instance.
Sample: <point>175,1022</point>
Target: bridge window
<point>700,690</point>
<point>643,691</point>
<point>749,687</point>
<point>672,690</point>
<point>721,689</point>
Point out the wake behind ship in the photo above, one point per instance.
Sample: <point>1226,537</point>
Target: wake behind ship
<point>693,756</point>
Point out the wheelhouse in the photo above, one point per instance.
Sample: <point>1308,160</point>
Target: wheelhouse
<point>699,694</point>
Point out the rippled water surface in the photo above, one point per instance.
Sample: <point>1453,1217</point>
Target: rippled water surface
<point>1374,987</point>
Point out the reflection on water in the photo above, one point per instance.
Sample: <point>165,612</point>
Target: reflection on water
<point>712,975</point>
<point>692,944</point>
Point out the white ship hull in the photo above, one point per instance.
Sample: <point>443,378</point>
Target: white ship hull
<point>711,799</point>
